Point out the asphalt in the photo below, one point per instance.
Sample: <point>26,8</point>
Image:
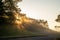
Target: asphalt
<point>31,38</point>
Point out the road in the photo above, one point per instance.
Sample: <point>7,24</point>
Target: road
<point>29,38</point>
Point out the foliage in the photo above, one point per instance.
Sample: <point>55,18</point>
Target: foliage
<point>8,9</point>
<point>58,18</point>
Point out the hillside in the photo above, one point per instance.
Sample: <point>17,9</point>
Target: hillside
<point>25,26</point>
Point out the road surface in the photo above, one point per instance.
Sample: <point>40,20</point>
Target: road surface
<point>29,38</point>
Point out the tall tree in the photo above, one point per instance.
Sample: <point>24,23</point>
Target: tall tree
<point>8,9</point>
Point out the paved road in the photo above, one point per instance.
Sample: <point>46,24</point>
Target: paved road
<point>30,38</point>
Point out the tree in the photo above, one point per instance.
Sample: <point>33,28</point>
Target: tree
<point>8,9</point>
<point>58,18</point>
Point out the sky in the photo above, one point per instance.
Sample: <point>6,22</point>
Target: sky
<point>41,9</point>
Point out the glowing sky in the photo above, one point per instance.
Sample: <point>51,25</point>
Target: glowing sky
<point>41,9</point>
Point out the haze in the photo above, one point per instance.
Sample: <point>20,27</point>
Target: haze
<point>41,9</point>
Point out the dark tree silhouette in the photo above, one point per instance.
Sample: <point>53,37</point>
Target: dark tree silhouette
<point>8,9</point>
<point>58,18</point>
